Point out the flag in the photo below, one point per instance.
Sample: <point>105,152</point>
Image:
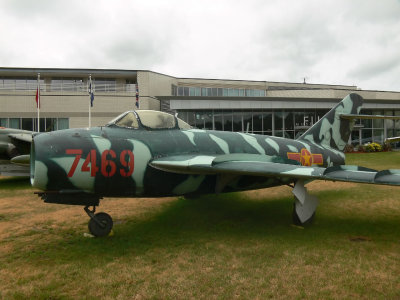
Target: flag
<point>37,97</point>
<point>91,93</point>
<point>137,96</point>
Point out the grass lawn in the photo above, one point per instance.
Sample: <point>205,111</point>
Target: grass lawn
<point>239,245</point>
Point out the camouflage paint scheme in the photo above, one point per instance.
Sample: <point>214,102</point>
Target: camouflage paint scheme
<point>130,158</point>
<point>165,160</point>
<point>51,163</point>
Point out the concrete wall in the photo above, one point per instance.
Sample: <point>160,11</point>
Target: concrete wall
<point>153,84</point>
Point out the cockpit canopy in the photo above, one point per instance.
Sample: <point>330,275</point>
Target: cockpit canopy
<point>149,119</point>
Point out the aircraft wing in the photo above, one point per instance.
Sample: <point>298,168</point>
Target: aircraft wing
<point>270,166</point>
<point>23,137</point>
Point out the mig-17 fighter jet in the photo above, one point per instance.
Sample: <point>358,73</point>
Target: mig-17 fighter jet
<point>154,154</point>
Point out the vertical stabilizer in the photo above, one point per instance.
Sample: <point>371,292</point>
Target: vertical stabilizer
<point>331,130</point>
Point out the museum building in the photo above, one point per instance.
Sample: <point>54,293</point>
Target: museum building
<point>263,107</point>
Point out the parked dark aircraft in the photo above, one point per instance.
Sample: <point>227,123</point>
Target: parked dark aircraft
<point>154,154</point>
<point>13,143</point>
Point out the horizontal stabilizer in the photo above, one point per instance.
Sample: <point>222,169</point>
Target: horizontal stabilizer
<point>368,117</point>
<point>390,177</point>
<point>393,139</point>
<point>350,173</point>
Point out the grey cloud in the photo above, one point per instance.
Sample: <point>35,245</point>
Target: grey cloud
<point>335,42</point>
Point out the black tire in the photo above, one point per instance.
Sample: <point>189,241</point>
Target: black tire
<point>296,221</point>
<point>97,230</point>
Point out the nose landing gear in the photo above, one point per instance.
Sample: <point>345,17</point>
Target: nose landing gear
<point>100,224</point>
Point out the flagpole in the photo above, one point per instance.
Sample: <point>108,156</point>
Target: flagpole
<point>38,103</point>
<point>90,96</point>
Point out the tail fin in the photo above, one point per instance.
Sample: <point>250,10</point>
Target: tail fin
<point>333,131</point>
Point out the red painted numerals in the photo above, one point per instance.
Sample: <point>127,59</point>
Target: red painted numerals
<point>127,160</point>
<point>108,167</point>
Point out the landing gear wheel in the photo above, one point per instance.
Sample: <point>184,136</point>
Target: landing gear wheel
<point>296,221</point>
<point>101,224</point>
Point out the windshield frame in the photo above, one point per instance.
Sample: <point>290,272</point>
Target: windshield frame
<point>178,123</point>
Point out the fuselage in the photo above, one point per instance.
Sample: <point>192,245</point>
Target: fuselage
<point>114,161</point>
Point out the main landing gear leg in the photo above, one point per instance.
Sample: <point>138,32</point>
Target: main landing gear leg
<point>100,224</point>
<point>304,205</point>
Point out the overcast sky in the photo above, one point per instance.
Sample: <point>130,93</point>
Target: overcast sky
<point>327,41</point>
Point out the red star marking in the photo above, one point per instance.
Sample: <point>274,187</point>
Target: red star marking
<point>306,158</point>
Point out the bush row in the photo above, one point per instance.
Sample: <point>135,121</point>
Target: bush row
<point>369,147</point>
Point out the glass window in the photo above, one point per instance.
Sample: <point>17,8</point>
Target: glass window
<point>174,90</point>
<point>27,123</point>
<point>20,84</point>
<point>355,137</point>
<point>267,121</point>
<point>237,122</point>
<point>191,118</point>
<point>298,118</point>
<point>197,92</point>
<point>204,91</point>
<point>15,123</point>
<point>278,121</point>
<point>309,118</point>
<point>241,92</point>
<point>180,91</point>
<point>366,135</point>
<point>192,91</point>
<point>366,122</point>
<point>289,134</point>
<point>3,122</point>
<point>220,92</point>
<point>389,124</point>
<point>68,85</point>
<point>63,123</point>
<point>218,120</point>
<point>378,135</point>
<point>51,124</point>
<point>377,123</point>
<point>186,91</point>
<point>257,122</point>
<point>228,121</point>
<point>225,92</point>
<point>289,124</point>
<point>208,120</point>
<point>183,115</point>
<point>214,92</point>
<point>31,84</point>
<point>247,122</point>
<point>203,120</point>
<point>100,84</point>
<point>9,84</point>
<point>56,85</point>
<point>320,114</point>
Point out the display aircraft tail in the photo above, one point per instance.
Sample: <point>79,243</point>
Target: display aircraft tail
<point>333,131</point>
